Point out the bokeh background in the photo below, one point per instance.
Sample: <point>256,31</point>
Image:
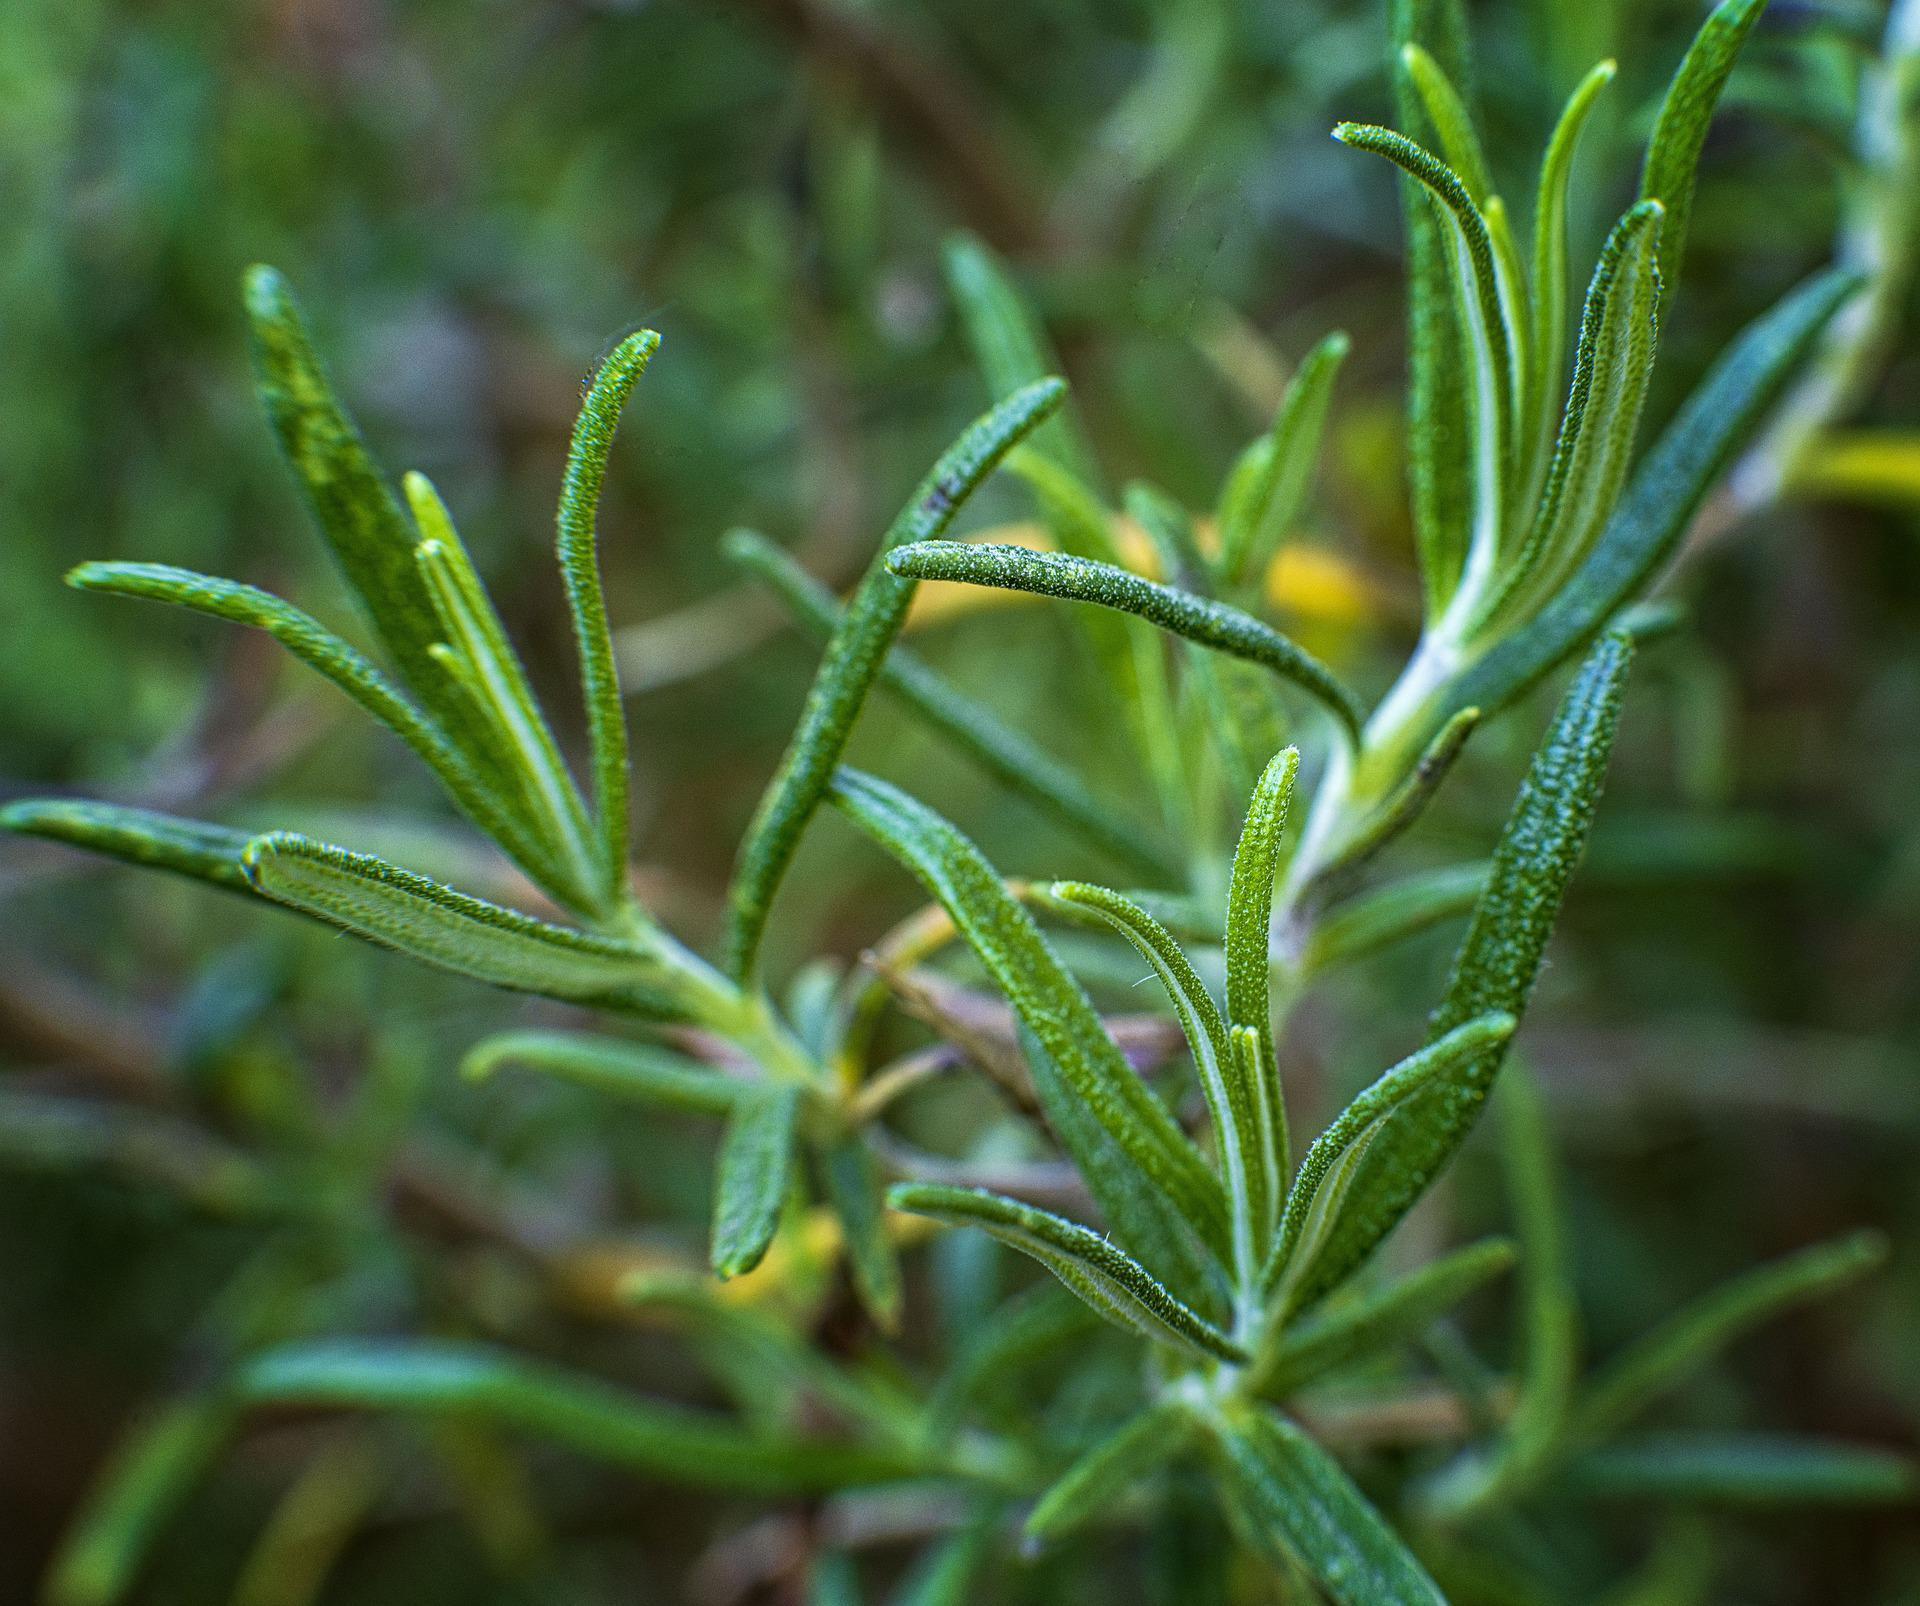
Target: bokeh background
<point>475,198</point>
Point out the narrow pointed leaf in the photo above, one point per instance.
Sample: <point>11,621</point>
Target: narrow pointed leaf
<point>1048,1001</point>
<point>1501,955</point>
<point>1391,913</point>
<point>1492,380</point>
<point>427,921</point>
<point>1745,1469</point>
<point>1256,861</point>
<point>1228,1096</point>
<point>1322,1189</point>
<point>316,646</point>
<point>855,1190</point>
<point>139,836</point>
<point>1690,1338</point>
<point>1108,1279</point>
<point>1404,805</point>
<point>586,599</point>
<point>1611,369</point>
<point>1451,121</point>
<point>1089,1488</point>
<point>144,1481</point>
<point>1397,1313</point>
<point>1549,277</point>
<point>1294,1501</point>
<point>1531,1439</point>
<point>350,500</point>
<point>1010,347</point>
<point>1169,528</point>
<point>1211,624</point>
<point>1439,429</point>
<point>642,1072</point>
<point>1137,1211</point>
<point>1673,151</point>
<point>480,667</point>
<point>586,1415</point>
<point>973,729</point>
<point>1671,483</point>
<point>756,1162</point>
<point>852,663</point>
<point>1268,486</point>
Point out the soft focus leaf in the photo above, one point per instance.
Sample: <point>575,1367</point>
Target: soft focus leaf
<point>750,1188</point>
<point>1088,1489</point>
<point>1745,1469</point>
<point>1395,1313</point>
<point>139,836</point>
<point>1691,1337</point>
<point>1293,1500</point>
<point>588,1416</point>
<point>642,1072</point>
<point>855,1189</point>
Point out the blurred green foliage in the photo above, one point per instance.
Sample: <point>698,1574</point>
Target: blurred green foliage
<point>220,1130</point>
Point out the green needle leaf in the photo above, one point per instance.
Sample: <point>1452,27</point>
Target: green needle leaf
<point>1390,913</point>
<point>1268,486</point>
<point>1320,1191</point>
<point>854,1188</point>
<point>316,646</point>
<point>149,1473</point>
<point>1256,860</point>
<point>1690,1338</point>
<point>1011,348</point>
<point>1396,1313</point>
<point>1403,807</point>
<point>1451,120</point>
<point>1229,1098</point>
<point>139,836</point>
<point>1745,1469</point>
<point>350,500</point>
<point>1440,431</point>
<point>999,749</point>
<point>1494,343</point>
<point>586,599</point>
<point>1611,369</point>
<point>1673,151</point>
<point>1495,968</point>
<point>852,662</point>
<point>756,1162</point>
<point>1088,1490</point>
<point>1549,279</point>
<point>1046,998</point>
<point>479,663</point>
<point>1112,1282</point>
<point>1211,624</point>
<point>1673,480</point>
<point>609,1424</point>
<point>642,1072</point>
<point>427,921</point>
<point>1295,1503</point>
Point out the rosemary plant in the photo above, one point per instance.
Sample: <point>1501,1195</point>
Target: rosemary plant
<point>1240,1259</point>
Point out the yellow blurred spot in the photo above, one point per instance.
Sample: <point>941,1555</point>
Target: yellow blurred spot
<point>1861,465</point>
<point>1314,584</point>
